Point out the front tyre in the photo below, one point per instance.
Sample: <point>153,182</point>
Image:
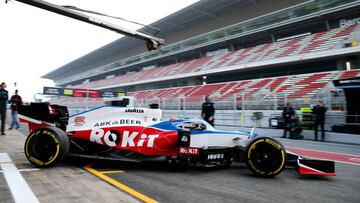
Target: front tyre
<point>265,156</point>
<point>46,146</point>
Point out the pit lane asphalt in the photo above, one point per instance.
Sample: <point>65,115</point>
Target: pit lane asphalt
<point>236,184</point>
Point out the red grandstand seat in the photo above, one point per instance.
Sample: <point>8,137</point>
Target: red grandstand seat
<point>222,60</point>
<point>306,90</point>
<point>261,83</point>
<point>235,89</point>
<point>283,88</point>
<point>275,83</point>
<point>312,78</point>
<point>349,74</point>
<point>191,66</point>
<point>347,31</point>
<point>291,46</point>
<point>207,89</point>
<point>227,87</point>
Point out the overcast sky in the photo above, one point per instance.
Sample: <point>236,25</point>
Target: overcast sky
<point>34,42</point>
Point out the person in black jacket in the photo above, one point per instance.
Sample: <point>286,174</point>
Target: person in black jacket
<point>15,102</point>
<point>208,110</point>
<point>4,96</point>
<point>287,112</point>
<point>319,119</point>
<point>295,127</point>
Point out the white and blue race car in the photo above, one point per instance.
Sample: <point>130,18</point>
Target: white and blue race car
<point>140,134</point>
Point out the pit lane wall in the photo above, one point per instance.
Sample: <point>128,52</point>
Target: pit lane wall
<point>252,118</point>
<point>244,121</point>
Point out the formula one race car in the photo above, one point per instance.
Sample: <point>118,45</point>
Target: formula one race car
<point>139,134</point>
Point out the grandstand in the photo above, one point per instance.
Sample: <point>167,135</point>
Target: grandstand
<point>327,40</point>
<point>247,54</point>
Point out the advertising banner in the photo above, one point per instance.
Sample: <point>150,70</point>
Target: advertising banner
<point>59,91</point>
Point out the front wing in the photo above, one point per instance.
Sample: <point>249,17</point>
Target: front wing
<point>312,167</point>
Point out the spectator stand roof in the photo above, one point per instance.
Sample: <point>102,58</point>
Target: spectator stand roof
<point>198,12</point>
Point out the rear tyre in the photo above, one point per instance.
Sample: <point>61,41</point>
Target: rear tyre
<point>46,146</point>
<point>265,157</point>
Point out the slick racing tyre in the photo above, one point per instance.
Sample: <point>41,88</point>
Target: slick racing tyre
<point>46,146</point>
<point>265,157</point>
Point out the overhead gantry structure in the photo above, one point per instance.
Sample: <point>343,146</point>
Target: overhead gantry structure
<point>152,42</point>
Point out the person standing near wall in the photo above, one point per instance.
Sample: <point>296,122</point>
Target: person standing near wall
<point>4,96</point>
<point>287,112</point>
<point>15,102</point>
<point>319,119</point>
<point>208,111</point>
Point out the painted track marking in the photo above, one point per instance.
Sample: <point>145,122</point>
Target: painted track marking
<point>337,157</point>
<point>22,170</point>
<point>19,189</point>
<point>107,172</point>
<point>119,185</point>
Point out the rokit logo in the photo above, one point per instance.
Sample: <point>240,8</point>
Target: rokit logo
<point>189,151</point>
<point>134,110</point>
<point>112,138</point>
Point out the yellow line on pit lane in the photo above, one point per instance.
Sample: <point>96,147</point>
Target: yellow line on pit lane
<point>119,185</point>
<point>107,172</point>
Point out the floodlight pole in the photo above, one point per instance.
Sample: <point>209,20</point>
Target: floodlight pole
<point>151,41</point>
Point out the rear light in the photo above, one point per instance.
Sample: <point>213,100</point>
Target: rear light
<point>52,110</point>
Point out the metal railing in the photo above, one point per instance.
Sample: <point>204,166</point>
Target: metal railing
<point>334,99</point>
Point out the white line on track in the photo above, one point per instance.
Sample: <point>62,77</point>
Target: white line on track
<point>22,170</point>
<point>19,189</point>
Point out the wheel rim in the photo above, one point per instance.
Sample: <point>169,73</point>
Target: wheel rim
<point>266,157</point>
<point>43,148</point>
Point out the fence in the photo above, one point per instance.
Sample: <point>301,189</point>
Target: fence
<point>334,99</point>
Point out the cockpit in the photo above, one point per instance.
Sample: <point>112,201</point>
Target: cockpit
<point>194,124</point>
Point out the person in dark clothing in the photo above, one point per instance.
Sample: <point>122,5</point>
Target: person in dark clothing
<point>208,111</point>
<point>295,127</point>
<point>3,101</point>
<point>15,102</point>
<point>318,112</point>
<point>287,112</point>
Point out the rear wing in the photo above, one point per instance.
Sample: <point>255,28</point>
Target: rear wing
<point>43,114</point>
